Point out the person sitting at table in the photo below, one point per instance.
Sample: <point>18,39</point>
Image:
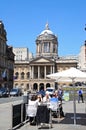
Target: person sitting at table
<point>54,98</point>
<point>46,98</point>
<point>56,104</point>
<point>33,102</point>
<point>40,100</point>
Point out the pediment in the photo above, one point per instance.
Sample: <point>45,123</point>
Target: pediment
<point>42,60</point>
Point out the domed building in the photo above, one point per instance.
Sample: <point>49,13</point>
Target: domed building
<point>47,44</point>
<point>32,74</point>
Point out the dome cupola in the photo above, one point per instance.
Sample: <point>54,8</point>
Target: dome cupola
<point>46,43</point>
<point>47,30</point>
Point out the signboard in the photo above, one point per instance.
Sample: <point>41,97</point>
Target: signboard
<point>66,96</point>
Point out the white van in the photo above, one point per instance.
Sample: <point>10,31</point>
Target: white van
<point>50,90</point>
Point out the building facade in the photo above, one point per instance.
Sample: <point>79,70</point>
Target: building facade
<point>22,54</point>
<point>31,74</point>
<point>82,58</point>
<point>6,60</point>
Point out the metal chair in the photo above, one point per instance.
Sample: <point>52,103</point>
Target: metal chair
<point>43,116</point>
<point>54,106</point>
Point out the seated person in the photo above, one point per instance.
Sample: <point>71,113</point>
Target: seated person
<point>61,110</point>
<point>46,98</point>
<point>40,100</point>
<point>54,98</point>
<point>34,102</point>
<point>56,105</point>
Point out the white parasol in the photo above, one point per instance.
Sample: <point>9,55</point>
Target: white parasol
<point>70,75</point>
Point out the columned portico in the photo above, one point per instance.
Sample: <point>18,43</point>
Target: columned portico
<point>37,74</point>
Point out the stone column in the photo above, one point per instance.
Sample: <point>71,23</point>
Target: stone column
<point>45,72</point>
<point>51,69</point>
<point>30,72</point>
<point>43,48</point>
<point>38,72</point>
<point>51,48</point>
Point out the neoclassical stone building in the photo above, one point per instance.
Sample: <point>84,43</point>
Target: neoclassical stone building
<point>6,60</point>
<point>32,74</point>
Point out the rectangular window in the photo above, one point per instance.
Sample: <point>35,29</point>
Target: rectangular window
<point>46,47</point>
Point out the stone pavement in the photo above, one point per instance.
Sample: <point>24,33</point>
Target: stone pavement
<point>66,123</point>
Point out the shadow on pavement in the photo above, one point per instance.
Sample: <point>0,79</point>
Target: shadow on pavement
<point>69,119</point>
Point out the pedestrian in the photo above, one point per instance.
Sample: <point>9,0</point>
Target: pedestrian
<point>60,94</point>
<point>80,95</point>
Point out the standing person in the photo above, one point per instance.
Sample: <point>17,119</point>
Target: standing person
<point>80,95</point>
<point>60,94</point>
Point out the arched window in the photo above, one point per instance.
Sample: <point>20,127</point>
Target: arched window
<point>41,86</point>
<point>22,75</point>
<point>35,86</point>
<point>28,75</point>
<point>16,75</point>
<point>47,85</point>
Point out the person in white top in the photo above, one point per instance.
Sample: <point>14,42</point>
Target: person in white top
<point>46,98</point>
<point>32,106</point>
<point>40,99</point>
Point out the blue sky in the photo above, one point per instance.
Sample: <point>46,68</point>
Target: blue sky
<point>24,20</point>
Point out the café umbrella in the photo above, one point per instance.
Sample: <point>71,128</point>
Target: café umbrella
<point>70,75</point>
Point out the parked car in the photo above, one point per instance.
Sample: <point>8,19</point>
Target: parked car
<point>15,92</point>
<point>50,90</point>
<point>4,92</point>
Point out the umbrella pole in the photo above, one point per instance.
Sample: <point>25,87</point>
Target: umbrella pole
<point>74,102</point>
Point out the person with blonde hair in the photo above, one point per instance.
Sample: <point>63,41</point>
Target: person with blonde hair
<point>46,98</point>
